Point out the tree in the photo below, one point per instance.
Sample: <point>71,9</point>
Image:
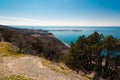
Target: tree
<point>87,53</point>
<point>108,43</point>
<point>94,48</point>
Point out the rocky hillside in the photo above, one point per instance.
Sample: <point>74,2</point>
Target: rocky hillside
<point>16,66</point>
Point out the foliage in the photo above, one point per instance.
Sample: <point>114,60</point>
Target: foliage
<point>86,55</point>
<point>28,44</point>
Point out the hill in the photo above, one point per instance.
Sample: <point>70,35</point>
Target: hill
<point>35,42</point>
<point>18,66</point>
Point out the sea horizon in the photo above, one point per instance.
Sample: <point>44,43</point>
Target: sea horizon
<point>72,33</point>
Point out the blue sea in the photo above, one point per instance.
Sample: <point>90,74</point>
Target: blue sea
<point>71,33</point>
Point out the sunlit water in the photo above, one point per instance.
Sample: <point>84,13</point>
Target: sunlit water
<point>68,35</point>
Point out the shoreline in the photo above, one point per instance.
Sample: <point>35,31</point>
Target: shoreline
<point>43,35</point>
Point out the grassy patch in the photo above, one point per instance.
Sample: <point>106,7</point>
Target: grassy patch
<point>15,77</point>
<point>7,49</point>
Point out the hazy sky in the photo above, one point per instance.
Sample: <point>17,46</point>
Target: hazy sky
<point>60,12</point>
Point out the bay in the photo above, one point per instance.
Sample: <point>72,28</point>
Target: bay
<point>71,33</point>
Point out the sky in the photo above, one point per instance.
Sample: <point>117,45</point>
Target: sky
<point>60,12</point>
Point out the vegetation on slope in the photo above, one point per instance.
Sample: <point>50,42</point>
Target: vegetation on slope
<point>89,53</point>
<point>7,49</point>
<point>12,67</point>
<point>24,41</point>
<point>94,53</point>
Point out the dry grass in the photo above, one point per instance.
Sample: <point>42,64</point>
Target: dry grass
<point>15,77</point>
<point>58,67</point>
<point>7,49</point>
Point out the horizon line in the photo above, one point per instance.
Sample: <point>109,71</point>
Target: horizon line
<point>18,21</point>
<point>65,25</point>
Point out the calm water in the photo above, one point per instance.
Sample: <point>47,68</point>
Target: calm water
<point>68,35</point>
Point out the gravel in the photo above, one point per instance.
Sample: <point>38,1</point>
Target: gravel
<point>31,67</point>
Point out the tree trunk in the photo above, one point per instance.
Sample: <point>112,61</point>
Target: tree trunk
<point>107,64</point>
<point>99,65</point>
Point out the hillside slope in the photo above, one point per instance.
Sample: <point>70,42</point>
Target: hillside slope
<point>34,42</point>
<point>31,67</point>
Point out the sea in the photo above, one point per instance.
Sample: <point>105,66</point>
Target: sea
<point>71,33</point>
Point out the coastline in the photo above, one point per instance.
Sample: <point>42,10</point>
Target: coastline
<point>43,35</point>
